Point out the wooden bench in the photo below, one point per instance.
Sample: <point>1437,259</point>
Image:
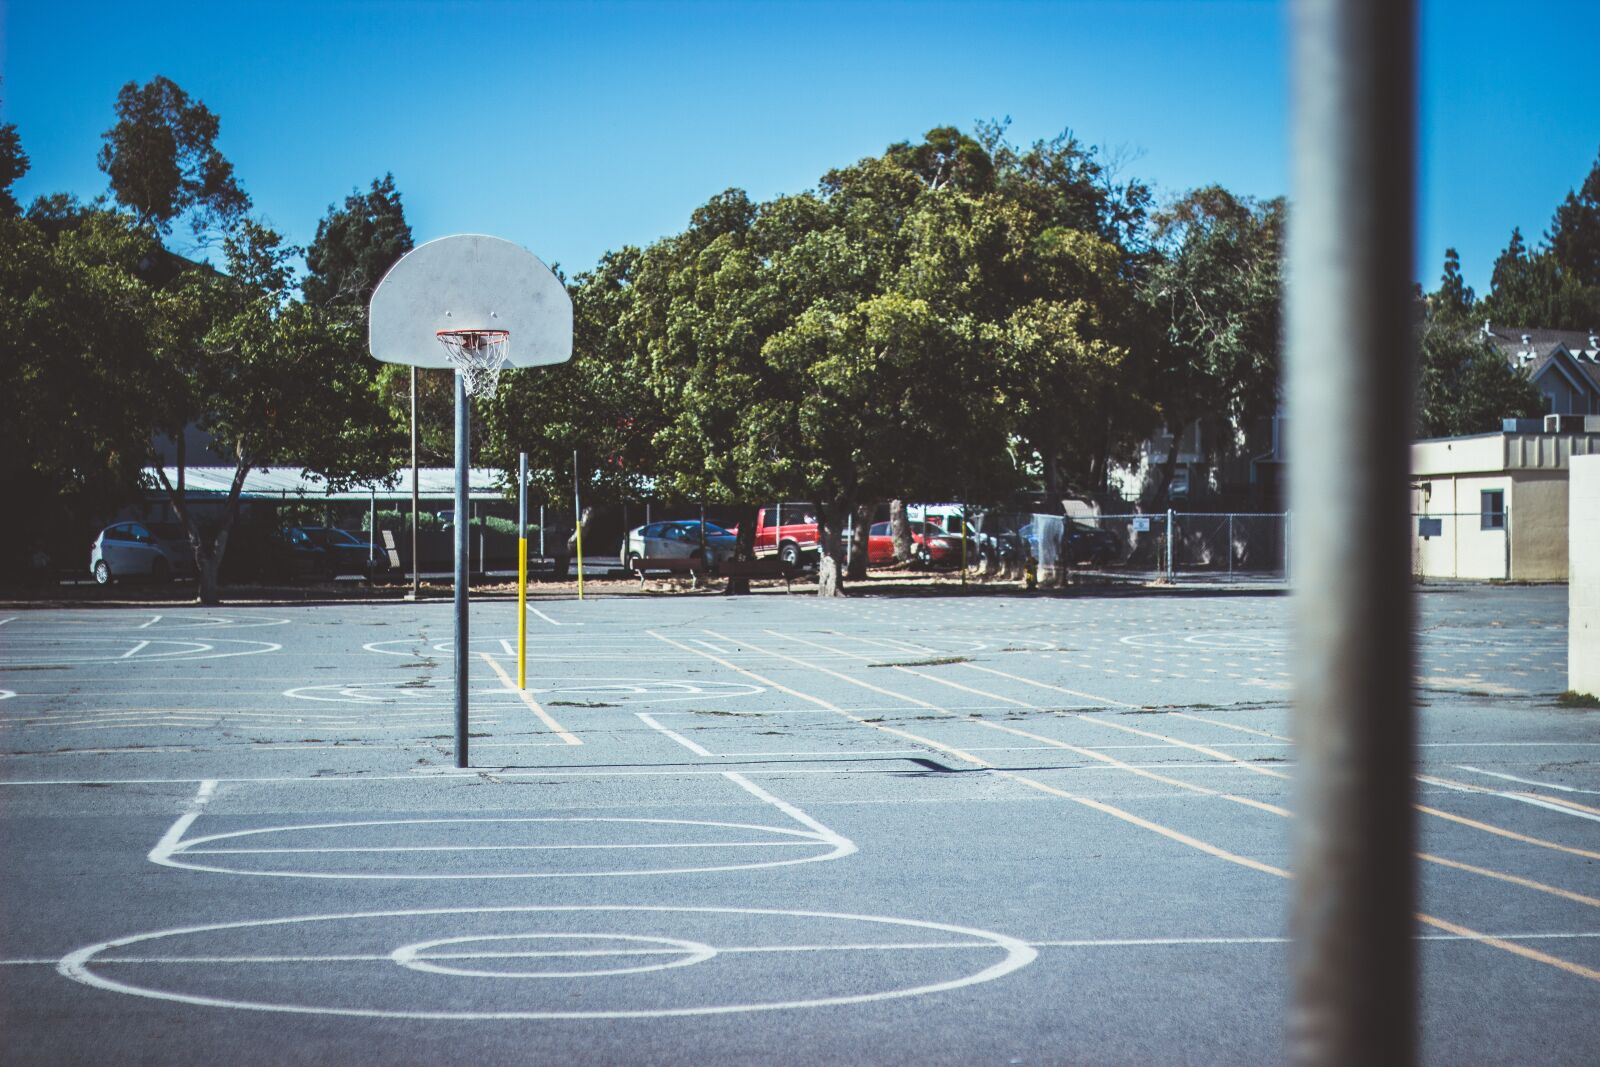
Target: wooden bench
<point>668,566</point>
<point>766,567</point>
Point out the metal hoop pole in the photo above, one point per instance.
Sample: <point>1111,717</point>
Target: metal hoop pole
<point>522,570</point>
<point>463,546</point>
<point>1349,330</point>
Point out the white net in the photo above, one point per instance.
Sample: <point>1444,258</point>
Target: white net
<point>478,356</point>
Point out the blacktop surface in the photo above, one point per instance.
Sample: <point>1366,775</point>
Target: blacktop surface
<point>768,830</point>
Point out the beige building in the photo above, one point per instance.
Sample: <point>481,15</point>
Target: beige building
<point>1493,506</point>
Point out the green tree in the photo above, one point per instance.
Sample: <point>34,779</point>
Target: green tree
<point>13,165</point>
<point>1454,299</point>
<point>1575,232</point>
<point>1465,385</point>
<point>275,381</point>
<point>1216,292</point>
<point>162,159</point>
<point>74,425</point>
<point>356,245</point>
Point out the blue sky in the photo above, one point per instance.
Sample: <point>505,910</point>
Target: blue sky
<point>573,128</point>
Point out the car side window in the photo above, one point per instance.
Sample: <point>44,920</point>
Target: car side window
<point>769,516</point>
<point>652,530</point>
<point>117,533</point>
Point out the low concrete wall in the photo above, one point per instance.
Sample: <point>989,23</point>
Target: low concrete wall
<point>1583,570</point>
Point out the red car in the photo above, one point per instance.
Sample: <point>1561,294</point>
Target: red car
<point>931,545</point>
<point>790,530</point>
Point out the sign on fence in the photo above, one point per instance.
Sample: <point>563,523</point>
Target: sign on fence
<point>1141,524</point>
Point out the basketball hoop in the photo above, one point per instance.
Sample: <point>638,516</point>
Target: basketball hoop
<point>478,356</point>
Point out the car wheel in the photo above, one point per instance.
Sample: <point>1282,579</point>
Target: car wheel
<point>160,573</point>
<point>789,553</point>
<point>102,573</point>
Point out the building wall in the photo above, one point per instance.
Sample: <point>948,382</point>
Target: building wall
<point>1538,522</point>
<point>1583,590</point>
<point>1463,549</point>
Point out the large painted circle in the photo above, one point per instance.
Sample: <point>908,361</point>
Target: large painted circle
<point>841,949</point>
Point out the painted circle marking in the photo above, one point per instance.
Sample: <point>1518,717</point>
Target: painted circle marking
<point>30,650</point>
<point>601,690</point>
<point>1213,640</point>
<point>190,958</point>
<point>229,853</point>
<point>414,956</point>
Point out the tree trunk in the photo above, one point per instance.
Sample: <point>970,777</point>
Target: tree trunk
<point>1168,467</point>
<point>900,530</point>
<point>745,549</point>
<point>830,567</point>
<point>859,531</point>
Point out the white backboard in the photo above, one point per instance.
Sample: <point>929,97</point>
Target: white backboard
<point>470,282</point>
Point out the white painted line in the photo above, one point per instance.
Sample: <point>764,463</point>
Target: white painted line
<point>171,840</point>
<point>174,852</point>
<point>549,620</point>
<point>844,843</point>
<point>870,946</point>
<point>78,965</point>
<point>153,620</point>
<point>135,650</point>
<point>1520,798</point>
<point>1528,781</point>
<point>12,618</point>
<point>675,736</point>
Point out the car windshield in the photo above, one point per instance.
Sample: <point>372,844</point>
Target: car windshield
<point>343,537</point>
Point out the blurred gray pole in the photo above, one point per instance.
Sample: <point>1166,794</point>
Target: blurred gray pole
<point>416,578</point>
<point>372,526</point>
<point>463,547</point>
<point>1349,339</point>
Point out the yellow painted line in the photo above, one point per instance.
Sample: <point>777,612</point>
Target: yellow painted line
<point>1562,802</point>
<point>1125,816</point>
<point>533,705</point>
<point>1087,753</point>
<point>1526,883</point>
<point>1500,831</point>
<point>1513,947</point>
<point>819,702</point>
<point>1202,749</point>
<point>1057,688</point>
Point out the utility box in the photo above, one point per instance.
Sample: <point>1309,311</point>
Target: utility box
<point>1583,569</point>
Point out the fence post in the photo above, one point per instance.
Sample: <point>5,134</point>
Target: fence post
<point>1169,544</point>
<point>1230,546</point>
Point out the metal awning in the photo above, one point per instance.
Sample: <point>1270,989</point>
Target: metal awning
<point>433,483</point>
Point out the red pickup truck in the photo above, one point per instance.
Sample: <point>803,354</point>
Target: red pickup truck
<point>790,530</point>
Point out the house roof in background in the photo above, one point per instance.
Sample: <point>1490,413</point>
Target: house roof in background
<point>283,483</point>
<point>1581,347</point>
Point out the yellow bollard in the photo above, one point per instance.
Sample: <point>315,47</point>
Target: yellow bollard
<point>580,560</point>
<point>522,611</point>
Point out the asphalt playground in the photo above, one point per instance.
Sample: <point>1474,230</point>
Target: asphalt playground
<point>769,829</point>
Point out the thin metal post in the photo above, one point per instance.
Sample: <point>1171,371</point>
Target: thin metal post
<point>577,520</point>
<point>1350,332</point>
<point>463,562</point>
<point>1230,546</point>
<point>541,531</point>
<point>522,570</point>
<point>416,575</point>
<point>1169,544</point>
<point>372,527</point>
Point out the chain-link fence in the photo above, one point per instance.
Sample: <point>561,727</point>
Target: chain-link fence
<point>1227,546</point>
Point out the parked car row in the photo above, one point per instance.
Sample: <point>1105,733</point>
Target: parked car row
<point>161,551</point>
